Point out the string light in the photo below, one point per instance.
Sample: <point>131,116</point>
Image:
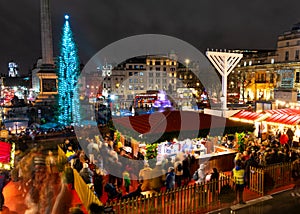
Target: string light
<point>68,72</point>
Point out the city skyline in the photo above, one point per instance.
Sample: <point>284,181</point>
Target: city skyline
<point>96,24</point>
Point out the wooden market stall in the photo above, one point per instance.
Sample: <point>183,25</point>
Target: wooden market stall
<point>165,126</point>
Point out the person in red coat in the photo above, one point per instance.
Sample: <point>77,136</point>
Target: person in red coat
<point>283,139</point>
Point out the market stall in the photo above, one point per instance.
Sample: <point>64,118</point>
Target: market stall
<point>205,151</point>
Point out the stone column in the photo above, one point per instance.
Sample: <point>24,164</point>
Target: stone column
<point>46,33</point>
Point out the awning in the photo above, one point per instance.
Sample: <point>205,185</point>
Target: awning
<point>173,121</point>
<point>284,111</point>
<point>248,116</point>
<point>284,119</point>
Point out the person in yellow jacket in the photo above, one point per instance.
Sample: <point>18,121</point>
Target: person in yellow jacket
<point>238,174</point>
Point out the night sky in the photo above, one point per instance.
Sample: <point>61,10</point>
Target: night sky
<point>221,24</point>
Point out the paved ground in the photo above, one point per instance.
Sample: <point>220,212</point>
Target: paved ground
<point>277,203</point>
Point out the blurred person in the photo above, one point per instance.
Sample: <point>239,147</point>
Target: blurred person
<point>144,177</point>
<point>201,174</point>
<point>178,171</point>
<point>158,177</point>
<point>86,174</point>
<point>4,179</point>
<point>170,179</point>
<point>296,177</point>
<point>238,174</point>
<point>126,179</point>
<point>51,162</point>
<point>98,182</point>
<point>95,209</point>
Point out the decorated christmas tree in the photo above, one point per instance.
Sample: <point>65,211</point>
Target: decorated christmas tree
<point>68,70</point>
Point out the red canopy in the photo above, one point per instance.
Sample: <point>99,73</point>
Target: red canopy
<point>285,111</point>
<point>248,115</point>
<point>171,121</point>
<point>284,119</point>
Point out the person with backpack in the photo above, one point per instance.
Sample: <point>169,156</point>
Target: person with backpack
<point>178,171</point>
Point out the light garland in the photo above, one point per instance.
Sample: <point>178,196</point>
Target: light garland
<point>68,73</point>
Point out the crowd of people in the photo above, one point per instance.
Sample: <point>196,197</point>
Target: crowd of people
<point>112,172</point>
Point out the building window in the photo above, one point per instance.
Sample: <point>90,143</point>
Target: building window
<point>164,81</point>
<point>157,62</point>
<point>136,73</point>
<point>141,80</point>
<point>287,43</point>
<point>157,81</point>
<point>150,74</point>
<point>130,80</point>
<point>130,66</point>
<point>157,68</point>
<point>297,54</point>
<point>130,73</point>
<point>151,81</point>
<point>157,74</point>
<point>135,80</point>
<point>141,73</point>
<point>136,87</point>
<point>297,77</point>
<point>286,55</point>
<point>130,87</point>
<point>164,74</point>
<point>165,69</point>
<point>142,87</point>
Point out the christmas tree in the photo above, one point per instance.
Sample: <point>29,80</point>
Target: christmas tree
<point>68,70</point>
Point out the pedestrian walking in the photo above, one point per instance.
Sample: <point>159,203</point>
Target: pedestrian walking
<point>296,177</point>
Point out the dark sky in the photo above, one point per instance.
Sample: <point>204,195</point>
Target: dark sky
<point>229,24</point>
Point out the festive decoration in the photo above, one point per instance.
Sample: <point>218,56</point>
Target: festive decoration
<point>241,141</point>
<point>68,72</point>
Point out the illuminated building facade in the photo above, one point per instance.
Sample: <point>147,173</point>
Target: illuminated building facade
<point>261,73</point>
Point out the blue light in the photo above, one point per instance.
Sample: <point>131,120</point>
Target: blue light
<point>67,17</point>
<point>68,71</point>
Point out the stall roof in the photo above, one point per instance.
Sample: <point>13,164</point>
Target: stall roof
<point>284,111</point>
<point>172,121</point>
<point>248,116</point>
<point>284,119</point>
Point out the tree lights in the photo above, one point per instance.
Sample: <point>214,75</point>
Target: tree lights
<point>68,70</point>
